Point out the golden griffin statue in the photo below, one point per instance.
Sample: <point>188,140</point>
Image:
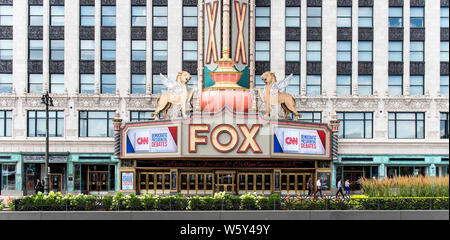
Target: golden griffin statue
<point>274,95</point>
<point>177,94</point>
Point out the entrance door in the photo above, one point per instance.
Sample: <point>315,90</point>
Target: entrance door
<point>55,182</point>
<point>225,182</point>
<point>355,178</point>
<point>154,182</point>
<point>98,181</point>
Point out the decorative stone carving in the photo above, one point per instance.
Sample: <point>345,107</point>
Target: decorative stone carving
<point>402,103</point>
<point>314,68</point>
<point>262,3</point>
<point>138,67</point>
<point>293,34</point>
<point>6,66</point>
<point>314,34</point>
<point>396,34</point>
<point>87,67</point>
<point>87,2</point>
<point>395,68</point>
<point>365,68</point>
<point>159,67</point>
<point>417,68</point>
<point>344,3</point>
<point>292,67</point>
<point>365,3</point>
<point>365,34</point>
<point>190,33</point>
<point>108,67</point>
<point>344,34</point>
<point>293,3</point>
<point>35,33</point>
<point>138,33</point>
<point>159,33</point>
<point>417,3</point>
<point>56,67</point>
<point>395,3</point>
<point>35,67</point>
<point>314,3</point>
<point>417,34</point>
<point>444,34</point>
<point>444,68</point>
<point>108,2</point>
<point>159,2</point>
<point>57,2</point>
<point>262,34</point>
<point>87,33</point>
<point>190,67</point>
<point>344,68</point>
<point>138,2</point>
<point>56,32</point>
<point>108,33</point>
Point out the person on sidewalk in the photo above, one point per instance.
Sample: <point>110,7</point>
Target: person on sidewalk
<point>319,187</point>
<point>309,186</point>
<point>38,186</point>
<point>347,187</point>
<point>340,189</point>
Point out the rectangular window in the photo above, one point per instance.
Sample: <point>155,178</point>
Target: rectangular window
<point>190,17</point>
<point>293,17</point>
<point>355,125</point>
<point>416,85</point>
<point>87,83</point>
<point>138,83</point>
<point>5,123</point>
<point>87,16</point>
<point>6,83</point>
<point>314,117</point>
<point>294,85</point>
<point>406,125</point>
<point>395,51</point>
<point>35,83</point>
<point>395,85</point>
<point>344,51</point>
<point>138,50</point>
<point>160,16</point>
<point>8,177</point>
<point>139,116</point>
<point>138,16</point>
<point>57,15</point>
<point>189,50</point>
<point>108,50</point>
<point>108,84</point>
<point>344,85</point>
<point>57,50</point>
<point>87,50</point>
<point>313,85</point>
<point>444,85</point>
<point>417,17</point>
<point>417,51</point>
<point>365,17</point>
<point>444,17</point>
<point>292,51</point>
<point>56,83</point>
<point>262,16</point>
<point>259,82</point>
<point>445,127</point>
<point>344,17</point>
<point>365,85</point>
<point>314,17</point>
<point>6,15</point>
<point>37,123</point>
<point>6,49</point>
<point>365,51</point>
<point>395,17</point>
<point>96,124</point>
<point>108,16</point>
<point>314,51</point>
<point>262,51</point>
<point>157,84</point>
<point>160,50</point>
<point>36,18</point>
<point>35,52</point>
<point>444,51</point>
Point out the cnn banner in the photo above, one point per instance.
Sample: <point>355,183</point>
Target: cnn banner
<point>299,141</point>
<point>152,140</point>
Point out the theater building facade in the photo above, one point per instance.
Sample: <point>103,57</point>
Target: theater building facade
<point>222,95</point>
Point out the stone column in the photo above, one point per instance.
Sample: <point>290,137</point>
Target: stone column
<point>334,124</point>
<point>117,122</point>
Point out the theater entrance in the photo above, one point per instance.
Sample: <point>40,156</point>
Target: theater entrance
<point>225,182</point>
<point>98,181</point>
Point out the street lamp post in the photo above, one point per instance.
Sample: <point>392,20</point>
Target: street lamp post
<point>48,101</point>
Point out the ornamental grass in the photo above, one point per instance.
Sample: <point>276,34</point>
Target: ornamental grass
<point>407,186</point>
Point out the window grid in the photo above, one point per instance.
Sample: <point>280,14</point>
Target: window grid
<point>138,83</point>
<point>87,50</point>
<point>5,123</point>
<point>87,83</point>
<point>34,83</point>
<point>190,50</point>
<point>444,85</point>
<point>417,17</point>
<point>138,50</point>
<point>139,116</point>
<point>56,83</point>
<point>444,17</point>
<point>365,85</point>
<point>293,51</point>
<point>87,16</point>
<point>314,17</point>
<point>444,51</point>
<point>314,51</point>
<point>445,127</point>
<point>396,118</point>
<point>37,123</point>
<point>138,16</point>
<point>294,86</point>
<point>108,84</point>
<point>35,50</point>
<point>6,49</point>
<point>313,117</point>
<point>160,50</point>
<point>395,85</point>
<point>344,17</point>
<point>344,85</point>
<point>395,17</point>
<point>6,15</point>
<point>57,15</point>
<point>395,51</point>
<point>262,51</point>
<point>314,85</point>
<point>108,16</point>
<point>190,15</point>
<point>56,49</point>
<point>96,123</point>
<point>349,118</point>
<point>6,83</point>
<point>160,17</point>
<point>262,16</point>
<point>365,17</point>
<point>108,50</point>
<point>417,51</point>
<point>293,17</point>
<point>35,15</point>
<point>416,86</point>
<point>365,51</point>
<point>344,51</point>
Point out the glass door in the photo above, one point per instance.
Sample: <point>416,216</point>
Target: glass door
<point>55,182</point>
<point>98,181</point>
<point>225,182</point>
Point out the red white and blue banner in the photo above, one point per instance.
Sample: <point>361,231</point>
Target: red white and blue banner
<point>299,141</point>
<point>152,140</point>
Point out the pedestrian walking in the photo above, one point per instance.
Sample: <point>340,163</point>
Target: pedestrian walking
<point>38,186</point>
<point>340,189</point>
<point>319,188</point>
<point>309,186</point>
<point>347,187</point>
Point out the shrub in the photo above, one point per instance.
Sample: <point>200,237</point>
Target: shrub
<point>249,202</point>
<point>409,186</point>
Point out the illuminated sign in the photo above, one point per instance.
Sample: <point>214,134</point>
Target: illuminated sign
<point>152,140</point>
<point>300,141</point>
